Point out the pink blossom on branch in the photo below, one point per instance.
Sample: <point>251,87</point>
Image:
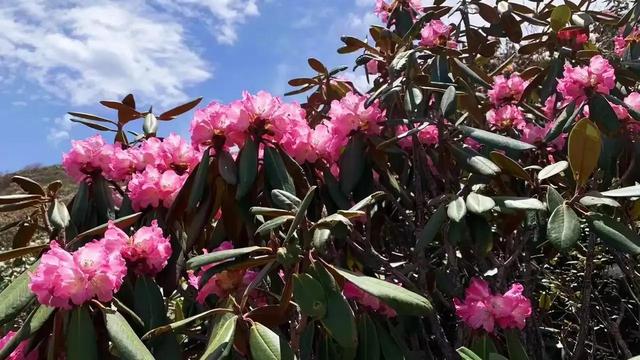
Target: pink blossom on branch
<point>436,33</point>
<point>507,90</point>
<point>148,250</point>
<point>505,118</point>
<point>86,158</point>
<point>599,77</point>
<point>481,309</point>
<point>153,188</point>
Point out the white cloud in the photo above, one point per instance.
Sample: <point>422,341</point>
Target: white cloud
<point>60,129</point>
<point>226,14</point>
<point>82,53</point>
<point>19,103</point>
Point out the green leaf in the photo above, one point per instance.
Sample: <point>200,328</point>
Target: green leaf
<point>514,346</point>
<point>285,200</point>
<point>475,162</point>
<point>16,296</point>
<point>182,323</point>
<point>227,167</point>
<point>448,102</point>
<point>389,347</point>
<point>563,228</point>
<point>273,224</point>
<point>554,199</point>
<point>81,336</point>
<point>566,117</point>
<point>247,167</point>
<point>221,341</point>
<point>430,230</point>
<point>629,191</point>
<point>601,112</point>
<point>218,256</point>
<point>276,172</point>
<point>456,210</point>
<point>471,74</point>
<point>124,339</point>
<point>36,319</point>
<point>495,140</point>
<point>320,238</point>
<point>338,197</point>
<point>467,354</point>
<point>309,295</point>
<point>368,343</point>
<point>267,345</point>
<point>479,204</point>
<point>200,181</point>
<point>585,144</point>
<point>300,215</point>
<point>482,346</point>
<point>509,165</point>
<point>14,253</point>
<point>339,320</point>
<point>553,169</point>
<point>560,16</point>
<point>403,301</point>
<point>352,164</point>
<point>368,201</point>
<point>518,203</point>
<point>614,233</point>
<point>594,198</point>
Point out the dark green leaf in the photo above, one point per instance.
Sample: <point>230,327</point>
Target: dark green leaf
<point>221,341</point>
<point>217,256</point>
<point>474,162</point>
<point>514,346</point>
<point>247,168</point>
<point>276,172</point>
<point>16,296</point>
<point>567,116</point>
<point>400,299</point>
<point>495,140</point>
<point>448,102</point>
<point>267,345</point>
<point>309,295</point>
<point>124,339</point>
<point>300,214</point>
<point>601,112</point>
<point>200,181</point>
<point>273,224</point>
<point>467,354</point>
<point>615,234</point>
<point>81,336</point>
<point>554,199</point>
<point>629,191</point>
<point>563,228</point>
<point>36,319</point>
<point>227,167</point>
<point>368,343</point>
<point>553,169</point>
<point>430,230</point>
<point>352,164</point>
<point>285,200</point>
<point>339,320</point>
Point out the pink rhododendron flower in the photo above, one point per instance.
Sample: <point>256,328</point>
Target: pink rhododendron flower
<point>63,279</point>
<point>506,90</point>
<point>349,114</point>
<point>103,270</point>
<point>20,352</point>
<point>505,118</point>
<point>436,33</point>
<point>599,76</point>
<point>619,45</point>
<point>86,157</point>
<point>122,163</point>
<point>633,101</point>
<point>148,250</point>
<point>482,309</point>
<point>534,134</point>
<point>352,292</point>
<point>155,189</point>
<point>549,108</point>
<point>382,9</point>
<point>223,283</point>
<point>573,38</point>
<point>210,123</point>
<point>177,155</point>
<point>372,67</point>
<point>427,136</point>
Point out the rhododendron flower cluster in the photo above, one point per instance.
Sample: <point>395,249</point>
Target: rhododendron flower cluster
<point>573,38</point>
<point>599,76</point>
<point>346,116</point>
<point>427,136</point>
<point>507,89</point>
<point>383,9</point>
<point>482,309</point>
<point>534,134</point>
<point>223,283</point>
<point>154,188</point>
<point>437,33</point>
<point>21,352</point>
<point>86,157</point>
<point>620,42</point>
<point>146,252</point>
<point>96,270</point>
<point>63,279</point>
<point>352,292</point>
<point>506,117</point>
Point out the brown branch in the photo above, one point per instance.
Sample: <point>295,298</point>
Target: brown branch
<point>585,308</point>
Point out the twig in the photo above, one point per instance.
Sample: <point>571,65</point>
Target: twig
<point>585,308</point>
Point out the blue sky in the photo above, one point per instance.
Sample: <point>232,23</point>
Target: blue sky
<point>65,55</point>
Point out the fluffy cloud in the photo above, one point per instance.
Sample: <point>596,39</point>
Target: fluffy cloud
<point>81,51</point>
<point>59,130</point>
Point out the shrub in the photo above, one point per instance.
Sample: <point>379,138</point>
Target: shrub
<point>462,207</point>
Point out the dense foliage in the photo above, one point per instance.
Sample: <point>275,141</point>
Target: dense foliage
<point>478,202</point>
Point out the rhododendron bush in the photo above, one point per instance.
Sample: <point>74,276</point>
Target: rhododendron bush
<point>479,201</point>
